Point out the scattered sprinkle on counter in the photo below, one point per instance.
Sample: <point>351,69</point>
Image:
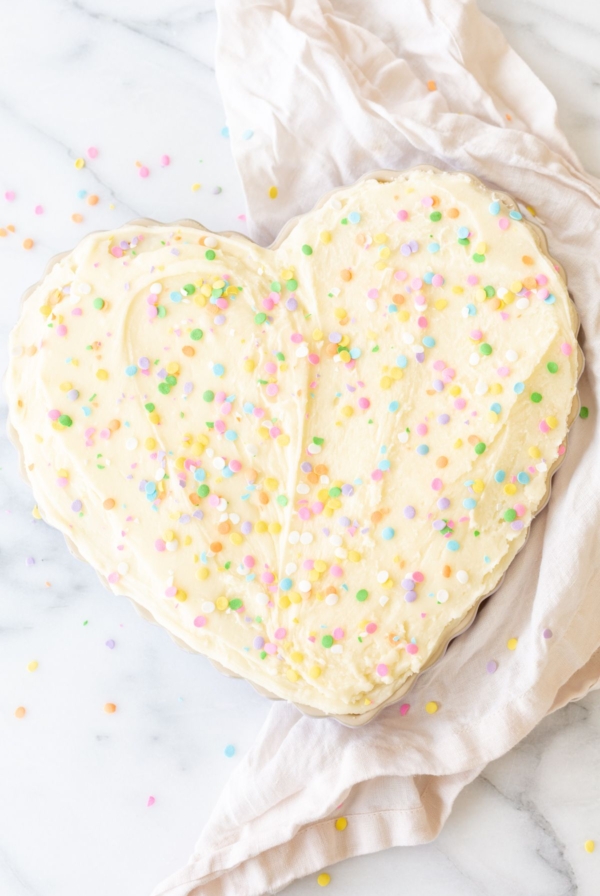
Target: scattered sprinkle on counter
<point>589,846</point>
<point>512,643</point>
<point>20,712</point>
<point>229,750</point>
<point>341,824</point>
<point>109,708</point>
<point>324,879</point>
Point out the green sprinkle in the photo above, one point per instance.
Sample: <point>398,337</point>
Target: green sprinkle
<point>344,221</point>
<point>510,515</point>
<point>485,348</point>
<point>99,304</point>
<point>307,249</point>
<point>536,397</point>
<point>362,595</point>
<point>435,216</point>
<point>318,441</point>
<point>327,641</point>
<point>164,388</point>
<point>490,291</point>
<point>209,254</point>
<point>65,420</point>
<point>480,448</point>
<point>196,335</point>
<point>203,490</point>
<point>334,491</point>
<point>292,284</point>
<point>150,407</point>
<point>584,413</point>
<point>236,603</point>
<point>189,289</point>
<point>208,395</point>
<point>162,311</point>
<point>478,257</point>
<point>465,241</point>
<point>276,286</point>
<point>171,380</point>
<point>282,500</point>
<point>260,318</point>
<point>552,366</point>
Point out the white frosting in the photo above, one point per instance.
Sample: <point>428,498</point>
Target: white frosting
<point>362,466</point>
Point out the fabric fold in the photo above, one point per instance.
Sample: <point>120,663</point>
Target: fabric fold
<point>425,82</point>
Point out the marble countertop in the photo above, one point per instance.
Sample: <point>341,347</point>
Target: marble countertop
<point>74,782</point>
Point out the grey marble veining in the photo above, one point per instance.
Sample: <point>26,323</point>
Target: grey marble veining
<point>136,79</point>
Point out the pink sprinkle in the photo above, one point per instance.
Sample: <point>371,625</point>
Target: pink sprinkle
<point>144,172</point>
<point>304,513</point>
<point>116,252</point>
<point>213,500</point>
<point>92,152</point>
<point>61,330</point>
<point>297,337</point>
<point>476,335</point>
<point>472,280</point>
<point>562,449</point>
<point>249,561</point>
<point>412,648</point>
<point>76,312</point>
<point>382,670</point>
<point>313,358</point>
<point>235,465</point>
<point>275,431</point>
<point>377,475</point>
<point>267,577</point>
<point>437,485</point>
<point>404,709</point>
<point>402,215</point>
<point>416,283</point>
<point>422,429</point>
<point>459,403</point>
<point>165,161</point>
<point>503,371</point>
<point>113,578</point>
<point>373,294</point>
<point>10,195</point>
<point>39,210</point>
<point>364,403</point>
<point>62,482</point>
<point>151,799</point>
<point>371,627</point>
<point>317,507</point>
<point>566,349</point>
<point>520,509</point>
<point>200,621</point>
<point>271,648</point>
<point>272,389</point>
<point>54,415</point>
<point>427,201</point>
<point>503,223</point>
<point>338,634</point>
<point>171,591</point>
<point>271,367</point>
<point>159,544</point>
<point>541,279</point>
<point>437,280</point>
<point>423,323</point>
<point>400,275</point>
<point>280,633</point>
<point>337,572</point>
<point>544,426</point>
<point>418,576</point>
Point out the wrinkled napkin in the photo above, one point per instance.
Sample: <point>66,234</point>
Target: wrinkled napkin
<point>333,91</point>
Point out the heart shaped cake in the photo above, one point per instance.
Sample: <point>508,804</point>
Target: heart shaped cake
<point>308,462</point>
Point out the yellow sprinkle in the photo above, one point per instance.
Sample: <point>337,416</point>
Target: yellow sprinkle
<point>318,335</point>
<point>296,656</point>
<point>32,666</point>
<point>102,374</point>
<point>196,187</point>
<point>203,573</point>
<point>440,304</point>
<point>323,880</point>
<point>458,444</point>
<point>181,595</point>
<point>236,538</point>
<point>341,824</point>
<point>457,290</point>
<point>478,486</point>
<point>292,675</point>
<point>314,671</point>
<point>80,163</point>
<point>516,286</point>
<point>510,488</point>
<point>283,602</point>
<point>403,316</point>
<point>512,643</point>
<point>589,846</point>
<point>221,603</point>
<point>431,707</point>
<point>534,452</point>
<point>249,365</point>
<point>35,513</point>
<point>273,192</point>
<point>325,236</point>
<point>552,422</point>
<point>385,382</point>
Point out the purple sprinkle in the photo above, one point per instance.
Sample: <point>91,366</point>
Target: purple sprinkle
<point>405,249</point>
<point>420,357</point>
<point>335,337</point>
<point>408,584</point>
<point>306,467</point>
<point>198,514</point>
<point>517,525</point>
<point>162,373</point>
<point>217,190</point>
<point>258,643</point>
<point>144,364</point>
<point>291,304</point>
<point>110,644</point>
<point>547,633</point>
<point>184,518</point>
<point>76,506</point>
<point>410,596</point>
<point>414,246</point>
<point>409,512</point>
<point>246,528</point>
<point>30,561</point>
<point>143,485</point>
<point>492,666</point>
<point>344,521</point>
<point>443,503</point>
<point>347,489</point>
<point>438,385</point>
<point>438,525</point>
<point>443,419</point>
<point>219,320</point>
<point>188,387</point>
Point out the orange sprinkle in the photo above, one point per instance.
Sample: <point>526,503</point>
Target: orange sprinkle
<point>20,712</point>
<point>110,708</point>
<point>508,117</point>
<point>216,546</point>
<point>446,572</point>
<point>224,528</point>
<point>11,227</point>
<point>376,517</point>
<point>28,243</point>
<point>109,504</point>
<point>77,218</point>
<point>188,351</point>
<point>527,259</point>
<point>263,497</point>
<point>441,462</point>
<point>3,231</point>
<point>346,275</point>
<point>321,470</point>
<point>431,85</point>
<point>93,199</point>
<point>397,299</point>
<point>453,213</point>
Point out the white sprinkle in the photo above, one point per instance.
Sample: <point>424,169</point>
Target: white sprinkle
<point>156,289</point>
<point>474,359</point>
<point>294,537</point>
<point>131,444</point>
<point>306,538</point>
<point>481,388</point>
<point>303,488</point>
<point>208,606</point>
<point>383,600</point>
<point>304,586</point>
<point>211,242</point>
<point>522,303</point>
<point>331,600</point>
<point>290,569</point>
<point>172,545</point>
<point>160,474</point>
<point>462,576</point>
<point>511,355</point>
<point>219,463</point>
<point>382,576</point>
<point>442,596</point>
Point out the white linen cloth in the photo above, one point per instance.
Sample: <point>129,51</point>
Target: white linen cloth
<point>329,100</point>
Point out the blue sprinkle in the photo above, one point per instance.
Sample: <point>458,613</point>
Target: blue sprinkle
<point>247,135</point>
<point>453,545</point>
<point>463,233</point>
<point>471,309</point>
<point>496,408</point>
<point>388,533</point>
<point>392,309</point>
<point>393,406</point>
<point>248,407</point>
<point>433,248</point>
<point>285,584</point>
<point>428,277</point>
<point>383,465</point>
<point>231,435</point>
<point>175,296</point>
<point>225,131</point>
<point>499,475</point>
<point>131,370</point>
<point>218,369</point>
<point>519,387</point>
<point>355,352</point>
<point>428,341</point>
<point>523,478</point>
<point>550,300</point>
<point>516,216</point>
<point>469,503</point>
<point>422,449</point>
<point>354,217</point>
<point>494,208</point>
<point>401,361</point>
<point>81,194</point>
<point>229,750</point>
<point>200,475</point>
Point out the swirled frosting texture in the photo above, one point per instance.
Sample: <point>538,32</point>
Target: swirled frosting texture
<point>308,462</point>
